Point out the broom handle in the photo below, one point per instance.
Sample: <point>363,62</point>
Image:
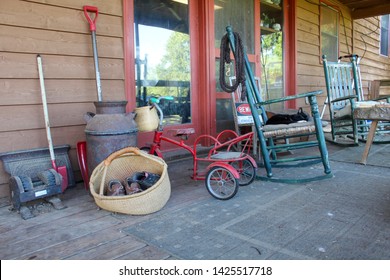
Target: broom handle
<point>45,112</point>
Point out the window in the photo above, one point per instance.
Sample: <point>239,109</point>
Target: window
<point>271,42</point>
<point>162,45</point>
<point>384,48</point>
<point>329,33</point>
<point>241,16</point>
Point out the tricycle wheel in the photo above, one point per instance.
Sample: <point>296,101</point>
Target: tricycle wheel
<point>246,170</point>
<point>221,183</point>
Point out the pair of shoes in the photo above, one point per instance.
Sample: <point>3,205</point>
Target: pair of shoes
<point>144,179</point>
<point>132,187</point>
<point>115,188</point>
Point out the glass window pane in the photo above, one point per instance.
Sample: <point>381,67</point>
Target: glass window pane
<point>162,45</point>
<point>240,15</point>
<point>384,44</point>
<point>329,33</point>
<point>272,33</point>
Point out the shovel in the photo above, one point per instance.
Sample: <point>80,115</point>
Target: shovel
<point>92,27</point>
<point>60,169</point>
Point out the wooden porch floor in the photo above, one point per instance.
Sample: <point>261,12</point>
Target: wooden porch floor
<point>82,231</point>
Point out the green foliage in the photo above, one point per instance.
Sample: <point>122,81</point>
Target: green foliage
<point>175,63</point>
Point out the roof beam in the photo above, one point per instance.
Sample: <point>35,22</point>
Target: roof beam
<point>381,9</point>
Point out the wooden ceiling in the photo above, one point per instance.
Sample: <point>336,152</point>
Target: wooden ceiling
<point>367,8</point>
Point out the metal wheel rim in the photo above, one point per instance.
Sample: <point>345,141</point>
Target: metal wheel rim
<point>221,183</point>
<point>247,172</point>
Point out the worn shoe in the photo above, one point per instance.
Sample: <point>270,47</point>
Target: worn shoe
<point>115,188</point>
<point>144,179</point>
<point>132,187</point>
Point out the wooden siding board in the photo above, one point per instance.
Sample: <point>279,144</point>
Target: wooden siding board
<point>15,65</point>
<point>306,15</point>
<point>308,37</point>
<point>308,27</point>
<point>33,15</point>
<point>27,40</point>
<point>104,6</point>
<point>311,81</point>
<point>27,91</point>
<point>26,117</point>
<point>309,48</point>
<point>308,7</point>
<point>310,70</point>
<point>308,59</point>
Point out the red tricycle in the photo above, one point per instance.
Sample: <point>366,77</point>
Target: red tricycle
<point>226,168</point>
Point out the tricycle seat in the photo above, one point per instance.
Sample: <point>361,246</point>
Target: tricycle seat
<point>227,155</point>
<point>182,132</point>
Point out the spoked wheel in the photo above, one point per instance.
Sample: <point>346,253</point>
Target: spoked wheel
<point>246,170</point>
<point>221,183</point>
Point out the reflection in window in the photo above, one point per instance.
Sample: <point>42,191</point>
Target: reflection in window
<point>384,49</point>
<point>329,33</point>
<point>162,45</point>
<point>271,43</point>
<point>240,15</point>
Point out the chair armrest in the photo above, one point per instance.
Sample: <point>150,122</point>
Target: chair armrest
<point>385,97</point>
<point>350,97</point>
<point>291,97</point>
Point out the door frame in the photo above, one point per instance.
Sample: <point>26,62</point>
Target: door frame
<point>145,138</point>
<point>203,57</point>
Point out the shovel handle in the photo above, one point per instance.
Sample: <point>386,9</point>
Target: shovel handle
<point>92,22</point>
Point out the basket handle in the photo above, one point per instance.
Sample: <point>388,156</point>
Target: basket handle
<point>116,154</point>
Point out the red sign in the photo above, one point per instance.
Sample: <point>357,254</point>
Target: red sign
<point>243,109</point>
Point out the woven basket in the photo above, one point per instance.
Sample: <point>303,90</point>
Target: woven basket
<point>122,164</point>
<point>146,118</point>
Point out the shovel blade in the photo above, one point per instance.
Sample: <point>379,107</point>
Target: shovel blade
<point>64,173</point>
<point>82,159</point>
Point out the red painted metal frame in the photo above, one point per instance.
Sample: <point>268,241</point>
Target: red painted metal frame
<point>218,143</point>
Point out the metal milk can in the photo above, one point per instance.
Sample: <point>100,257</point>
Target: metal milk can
<point>109,130</point>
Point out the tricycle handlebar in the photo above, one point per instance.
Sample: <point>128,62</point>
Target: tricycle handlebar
<point>156,100</point>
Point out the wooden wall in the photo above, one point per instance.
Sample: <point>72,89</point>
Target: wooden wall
<point>310,73</point>
<point>58,30</point>
<point>367,41</point>
<point>360,37</point>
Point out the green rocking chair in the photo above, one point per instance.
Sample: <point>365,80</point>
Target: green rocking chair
<point>269,135</point>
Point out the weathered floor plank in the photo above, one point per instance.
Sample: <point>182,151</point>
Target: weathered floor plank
<point>111,250</point>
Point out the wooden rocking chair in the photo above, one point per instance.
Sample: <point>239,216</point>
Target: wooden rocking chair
<point>268,134</point>
<point>344,90</point>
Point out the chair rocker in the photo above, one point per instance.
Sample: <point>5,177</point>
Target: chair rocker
<point>269,134</point>
<point>344,90</point>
